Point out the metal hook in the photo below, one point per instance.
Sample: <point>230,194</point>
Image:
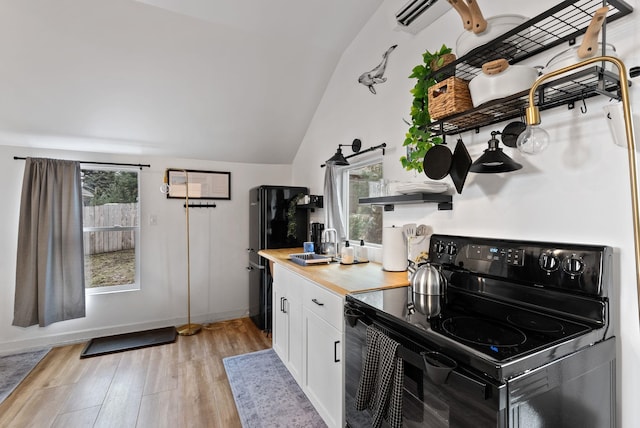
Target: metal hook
<point>583,108</point>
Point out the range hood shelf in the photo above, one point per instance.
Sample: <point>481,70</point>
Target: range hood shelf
<point>560,24</point>
<point>444,201</point>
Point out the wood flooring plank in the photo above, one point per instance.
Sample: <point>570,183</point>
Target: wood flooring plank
<point>83,418</point>
<point>60,367</point>
<point>162,372</point>
<point>160,410</point>
<point>42,408</point>
<point>190,347</point>
<point>91,389</point>
<point>34,381</point>
<point>122,402</point>
<point>197,400</point>
<point>227,411</point>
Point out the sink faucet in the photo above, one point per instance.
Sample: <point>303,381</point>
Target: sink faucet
<point>330,247</point>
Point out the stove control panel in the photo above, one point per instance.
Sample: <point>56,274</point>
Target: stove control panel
<point>575,267</point>
<point>510,256</point>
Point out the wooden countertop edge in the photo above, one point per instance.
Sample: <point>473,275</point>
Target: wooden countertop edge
<point>322,274</point>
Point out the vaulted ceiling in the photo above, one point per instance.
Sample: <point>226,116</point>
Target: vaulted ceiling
<point>234,80</point>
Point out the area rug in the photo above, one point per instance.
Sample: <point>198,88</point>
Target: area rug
<point>14,368</point>
<point>266,394</point>
<point>128,341</point>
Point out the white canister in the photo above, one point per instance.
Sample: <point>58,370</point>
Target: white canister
<point>394,249</point>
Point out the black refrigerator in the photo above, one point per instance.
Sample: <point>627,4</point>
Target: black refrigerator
<point>277,219</point>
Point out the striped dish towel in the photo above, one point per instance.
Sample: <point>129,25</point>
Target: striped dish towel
<point>382,380</point>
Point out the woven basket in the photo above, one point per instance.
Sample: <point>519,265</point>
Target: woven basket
<point>446,60</point>
<point>449,97</point>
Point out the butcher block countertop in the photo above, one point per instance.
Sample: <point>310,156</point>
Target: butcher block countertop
<point>342,279</point>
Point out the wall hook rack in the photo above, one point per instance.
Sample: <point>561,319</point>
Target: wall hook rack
<point>200,205</point>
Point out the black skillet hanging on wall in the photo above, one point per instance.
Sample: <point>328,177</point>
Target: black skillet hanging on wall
<point>437,162</point>
<point>440,162</point>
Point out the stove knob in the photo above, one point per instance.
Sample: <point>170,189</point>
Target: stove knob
<point>573,265</point>
<point>452,250</point>
<point>548,262</point>
<point>439,247</point>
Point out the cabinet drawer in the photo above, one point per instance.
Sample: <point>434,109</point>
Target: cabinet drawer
<point>324,303</point>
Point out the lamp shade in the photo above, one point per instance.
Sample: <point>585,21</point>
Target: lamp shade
<point>494,160</point>
<point>337,159</point>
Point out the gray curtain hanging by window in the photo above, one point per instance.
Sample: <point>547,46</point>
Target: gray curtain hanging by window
<point>334,211</point>
<point>50,262</point>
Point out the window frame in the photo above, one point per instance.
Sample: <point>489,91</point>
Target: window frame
<point>135,286</point>
<point>344,190</point>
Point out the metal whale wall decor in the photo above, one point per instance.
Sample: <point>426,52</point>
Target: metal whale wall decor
<point>374,76</point>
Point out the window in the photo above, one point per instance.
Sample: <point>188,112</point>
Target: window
<point>365,221</point>
<point>111,228</point>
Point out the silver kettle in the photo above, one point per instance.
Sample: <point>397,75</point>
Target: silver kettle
<point>428,289</point>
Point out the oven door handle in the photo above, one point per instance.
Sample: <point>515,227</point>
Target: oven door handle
<point>457,377</point>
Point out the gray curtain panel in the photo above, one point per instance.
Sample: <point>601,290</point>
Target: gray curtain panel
<point>333,208</point>
<point>50,266</point>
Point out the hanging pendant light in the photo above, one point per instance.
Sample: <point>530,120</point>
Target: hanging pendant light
<point>494,160</point>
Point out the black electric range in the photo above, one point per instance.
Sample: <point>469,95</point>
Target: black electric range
<point>509,305</point>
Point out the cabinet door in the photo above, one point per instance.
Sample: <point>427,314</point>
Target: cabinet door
<point>294,312</point>
<point>287,320</point>
<point>323,379</point>
<point>280,335</point>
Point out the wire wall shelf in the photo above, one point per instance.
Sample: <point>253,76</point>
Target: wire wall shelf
<point>560,24</point>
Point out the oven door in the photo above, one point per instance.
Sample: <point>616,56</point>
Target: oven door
<point>459,399</point>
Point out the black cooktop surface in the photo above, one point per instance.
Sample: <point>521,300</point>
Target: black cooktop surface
<point>496,329</point>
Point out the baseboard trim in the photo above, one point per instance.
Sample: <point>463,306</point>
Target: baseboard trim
<point>72,338</point>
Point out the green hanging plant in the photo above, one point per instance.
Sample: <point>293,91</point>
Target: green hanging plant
<point>419,138</point>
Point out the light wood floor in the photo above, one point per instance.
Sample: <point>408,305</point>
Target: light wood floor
<point>182,384</point>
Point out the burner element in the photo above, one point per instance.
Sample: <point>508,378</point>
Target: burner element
<point>484,332</point>
<point>535,322</point>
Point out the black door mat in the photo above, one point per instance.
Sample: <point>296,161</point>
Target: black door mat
<point>128,341</point>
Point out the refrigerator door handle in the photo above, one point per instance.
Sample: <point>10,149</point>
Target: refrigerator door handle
<point>253,265</point>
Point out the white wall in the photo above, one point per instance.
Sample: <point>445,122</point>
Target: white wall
<point>576,191</point>
<point>219,239</point>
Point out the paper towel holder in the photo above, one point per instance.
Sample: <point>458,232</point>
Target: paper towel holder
<point>394,250</point>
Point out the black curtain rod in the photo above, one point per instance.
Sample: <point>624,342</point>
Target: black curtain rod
<point>139,165</point>
<point>370,149</point>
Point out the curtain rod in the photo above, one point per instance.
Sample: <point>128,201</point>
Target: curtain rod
<point>139,165</point>
<point>370,149</point>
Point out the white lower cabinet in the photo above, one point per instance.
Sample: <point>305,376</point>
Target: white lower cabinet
<point>322,377</point>
<point>287,320</point>
<point>308,335</point>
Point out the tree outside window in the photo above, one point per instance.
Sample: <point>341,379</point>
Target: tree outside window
<point>365,221</point>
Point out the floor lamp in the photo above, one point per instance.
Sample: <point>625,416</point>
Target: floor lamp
<point>534,139</point>
<point>189,329</point>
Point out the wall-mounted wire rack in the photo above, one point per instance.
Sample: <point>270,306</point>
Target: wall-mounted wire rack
<point>560,24</point>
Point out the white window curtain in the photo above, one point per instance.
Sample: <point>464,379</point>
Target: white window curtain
<point>50,262</point>
<point>333,206</point>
